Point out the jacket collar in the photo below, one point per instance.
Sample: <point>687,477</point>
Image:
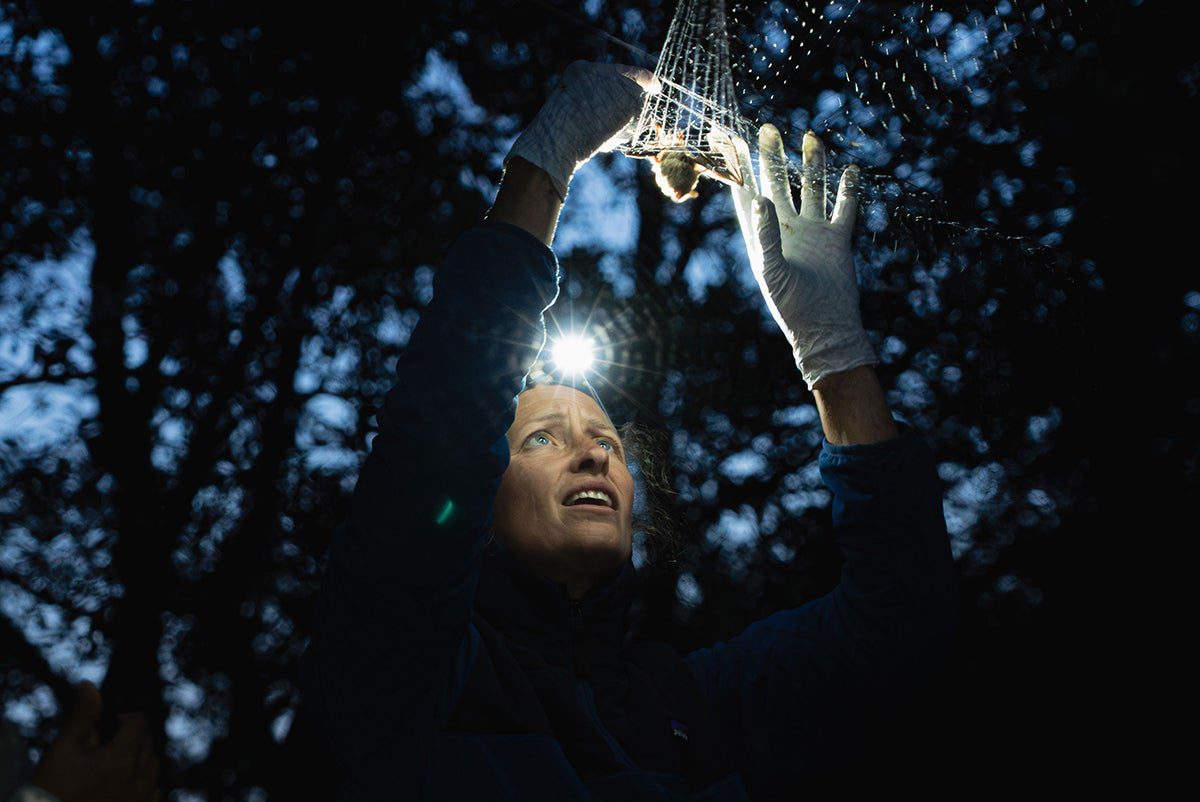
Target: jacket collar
<point>538,613</point>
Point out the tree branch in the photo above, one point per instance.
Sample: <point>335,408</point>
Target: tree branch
<point>62,379</point>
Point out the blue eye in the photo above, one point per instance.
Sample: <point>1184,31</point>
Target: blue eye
<point>612,447</point>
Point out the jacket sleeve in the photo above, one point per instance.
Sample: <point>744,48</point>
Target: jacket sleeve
<point>391,643</point>
<point>792,691</point>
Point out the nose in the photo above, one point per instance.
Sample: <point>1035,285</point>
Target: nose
<point>592,457</point>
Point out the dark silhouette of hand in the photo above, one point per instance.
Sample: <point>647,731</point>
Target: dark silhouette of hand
<point>79,768</point>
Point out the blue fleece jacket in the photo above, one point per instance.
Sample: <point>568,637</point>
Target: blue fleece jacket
<point>441,668</point>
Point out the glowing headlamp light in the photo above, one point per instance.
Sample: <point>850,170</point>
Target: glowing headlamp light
<point>573,355</point>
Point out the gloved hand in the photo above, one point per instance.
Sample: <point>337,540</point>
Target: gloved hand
<point>585,114</point>
<point>802,261</point>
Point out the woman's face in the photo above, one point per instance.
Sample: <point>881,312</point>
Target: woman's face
<point>561,441</point>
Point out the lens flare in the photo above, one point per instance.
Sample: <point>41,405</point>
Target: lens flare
<point>574,354</point>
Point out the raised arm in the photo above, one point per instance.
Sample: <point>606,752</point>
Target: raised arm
<point>390,647</point>
<point>392,643</point>
<point>793,689</point>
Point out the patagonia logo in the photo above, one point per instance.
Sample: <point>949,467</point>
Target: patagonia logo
<point>679,729</point>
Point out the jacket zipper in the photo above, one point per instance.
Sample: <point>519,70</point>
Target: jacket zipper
<point>589,700</point>
<point>589,703</point>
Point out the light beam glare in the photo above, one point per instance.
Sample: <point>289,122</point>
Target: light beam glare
<point>574,354</point>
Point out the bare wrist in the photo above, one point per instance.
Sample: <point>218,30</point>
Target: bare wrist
<point>852,407</point>
<point>527,199</point>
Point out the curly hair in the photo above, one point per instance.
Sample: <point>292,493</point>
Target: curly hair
<point>647,453</point>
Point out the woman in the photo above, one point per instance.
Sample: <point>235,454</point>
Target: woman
<point>471,634</point>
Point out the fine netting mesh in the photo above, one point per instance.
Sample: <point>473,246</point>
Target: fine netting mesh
<point>698,95</point>
<point>896,84</point>
<point>925,58</point>
<point>964,196</point>
<point>878,82</point>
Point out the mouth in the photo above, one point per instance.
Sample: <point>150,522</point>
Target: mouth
<point>596,500</point>
<point>598,509</point>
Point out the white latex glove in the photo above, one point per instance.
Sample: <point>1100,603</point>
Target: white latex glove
<point>585,114</point>
<point>802,261</point>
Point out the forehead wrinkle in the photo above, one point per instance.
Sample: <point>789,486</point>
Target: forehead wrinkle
<point>558,417</point>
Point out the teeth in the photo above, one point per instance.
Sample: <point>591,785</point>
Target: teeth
<point>596,494</point>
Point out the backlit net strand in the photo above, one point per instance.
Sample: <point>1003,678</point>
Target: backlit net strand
<point>697,94</point>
